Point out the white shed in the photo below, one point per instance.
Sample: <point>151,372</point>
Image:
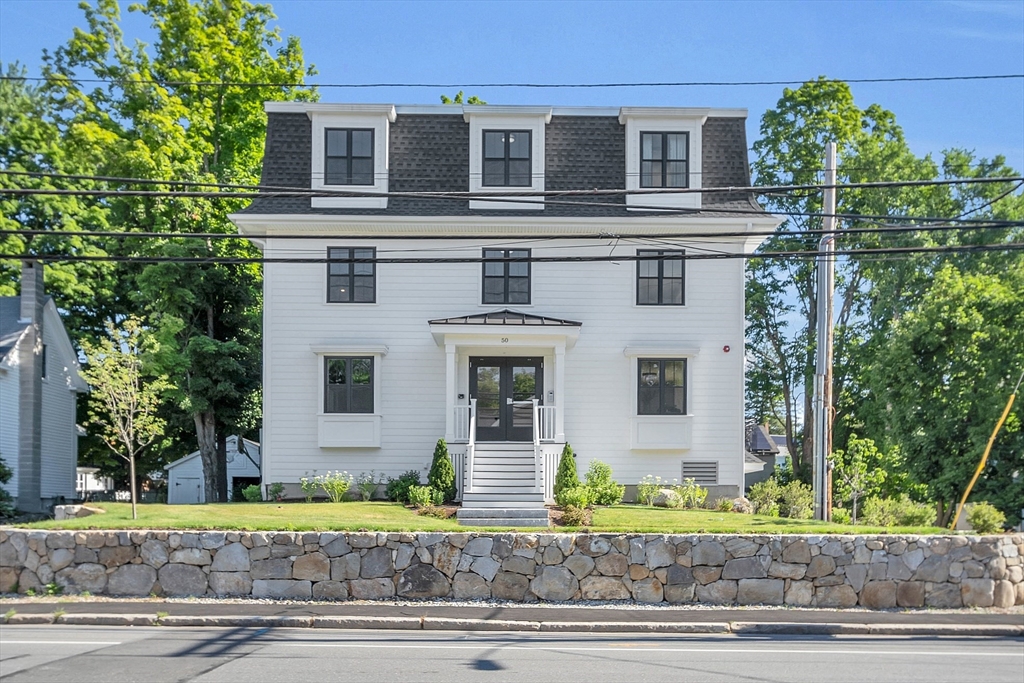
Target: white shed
<point>185,476</point>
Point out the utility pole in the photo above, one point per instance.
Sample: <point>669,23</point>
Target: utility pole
<point>823,365</point>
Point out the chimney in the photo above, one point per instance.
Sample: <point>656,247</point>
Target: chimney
<point>30,405</point>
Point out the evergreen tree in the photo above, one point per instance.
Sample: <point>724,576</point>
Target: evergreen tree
<point>566,478</point>
<point>442,474</point>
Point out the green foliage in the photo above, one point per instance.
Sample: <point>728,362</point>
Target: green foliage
<point>335,484</point>
<point>442,474</point>
<point>579,497</point>
<point>54,589</point>
<point>367,484</point>
<point>309,485</point>
<point>840,516</point>
<point>605,490</point>
<point>473,99</point>
<point>576,516</point>
<point>691,495</point>
<point>276,491</point>
<point>723,504</point>
<point>857,472</point>
<point>647,489</point>
<point>566,477</point>
<point>425,496</point>
<point>252,493</point>
<point>900,511</point>
<point>797,501</point>
<point>6,499</point>
<point>398,489</point>
<point>985,518</point>
<point>765,496</point>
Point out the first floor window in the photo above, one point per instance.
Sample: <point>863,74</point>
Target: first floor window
<point>351,275</point>
<point>662,386</point>
<point>506,282</point>
<point>348,385</point>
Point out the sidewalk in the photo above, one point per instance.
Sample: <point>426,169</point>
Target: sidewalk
<point>495,617</point>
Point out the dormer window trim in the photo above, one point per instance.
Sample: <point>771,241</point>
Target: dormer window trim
<point>493,118</point>
<point>664,120</point>
<point>373,117</point>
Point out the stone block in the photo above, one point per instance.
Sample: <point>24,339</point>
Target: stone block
<point>659,553</point>
<point>552,555</point>
<point>446,559</point>
<point>198,557</point>
<point>423,581</point>
<point>509,586</point>
<point>944,596</point>
<point>372,589</point>
<point>648,590</point>
<point>345,568</point>
<point>710,553</point>
<point>800,593</point>
<point>913,558</point>
<point>910,594</point>
<point>131,579</point>
<point>230,583</point>
<point>677,575</point>
<point>741,547</point>
<point>760,591</point>
<point>579,565</point>
<point>122,554</point>
<point>212,540</point>
<point>8,579</point>
<point>330,590</point>
<point>182,579</point>
<point>593,546</point>
<point>897,569</point>
<point>835,596</point>
<point>376,564</point>
<point>611,564</point>
<point>519,565</point>
<point>832,549</point>
<point>878,595</point>
<point>719,592</point>
<point>745,568</point>
<point>797,552</point>
<point>279,550</point>
<point>977,592</point>
<point>679,593</point>
<point>479,547</point>
<point>83,555</point>
<point>56,539</point>
<point>603,588</point>
<point>556,584</point>
<point>821,565</point>
<point>485,567</point>
<point>856,574</point>
<point>469,586</point>
<point>1003,594</point>
<point>335,547</point>
<point>706,575</point>
<point>636,550</point>
<point>312,567</point>
<point>60,558</point>
<point>282,588</point>
<point>233,557</point>
<point>934,569</point>
<point>8,555</point>
<point>280,568</point>
<point>786,570</point>
<point>83,577</point>
<point>403,556</point>
<point>973,569</point>
<point>639,571</point>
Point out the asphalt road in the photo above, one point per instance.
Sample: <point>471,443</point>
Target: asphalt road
<point>84,654</point>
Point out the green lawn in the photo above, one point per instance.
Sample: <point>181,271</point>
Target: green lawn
<point>379,516</point>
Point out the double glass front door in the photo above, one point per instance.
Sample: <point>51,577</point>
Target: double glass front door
<point>504,389</point>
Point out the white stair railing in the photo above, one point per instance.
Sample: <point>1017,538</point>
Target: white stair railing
<point>462,420</point>
<point>471,445</point>
<point>547,423</point>
<point>537,465</point>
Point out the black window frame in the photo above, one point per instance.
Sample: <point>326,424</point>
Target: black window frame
<point>505,276</point>
<point>351,260</point>
<point>507,158</point>
<point>348,385</point>
<point>661,256</point>
<point>350,156</point>
<point>661,385</point>
<point>664,160</point>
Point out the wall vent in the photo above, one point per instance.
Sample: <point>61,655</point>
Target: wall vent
<point>703,473</point>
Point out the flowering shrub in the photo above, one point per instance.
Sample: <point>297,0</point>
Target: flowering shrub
<point>335,484</point>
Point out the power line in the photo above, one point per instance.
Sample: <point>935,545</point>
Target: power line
<point>641,84</point>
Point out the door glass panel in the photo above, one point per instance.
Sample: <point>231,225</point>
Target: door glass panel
<point>524,388</point>
<point>488,396</point>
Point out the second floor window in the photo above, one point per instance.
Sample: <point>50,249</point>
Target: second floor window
<point>659,281</point>
<point>348,156</point>
<point>506,160</point>
<point>351,275</point>
<point>664,160</point>
<point>506,282</point>
<point>348,385</point>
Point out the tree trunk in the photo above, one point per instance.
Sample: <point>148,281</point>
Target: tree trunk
<point>222,468</point>
<point>133,486</point>
<point>206,433</point>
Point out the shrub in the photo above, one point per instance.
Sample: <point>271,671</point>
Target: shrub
<point>900,511</point>
<point>276,491</point>
<point>840,516</point>
<point>367,484</point>
<point>579,497</point>
<point>797,500</point>
<point>252,493</point>
<point>575,516</point>
<point>425,496</point>
<point>723,504</point>
<point>566,478</point>
<point>442,474</point>
<point>309,486</point>
<point>606,491</point>
<point>985,518</point>
<point>691,495</point>
<point>6,499</point>
<point>435,511</point>
<point>398,489</point>
<point>765,496</point>
<point>335,484</point>
<point>647,489</point>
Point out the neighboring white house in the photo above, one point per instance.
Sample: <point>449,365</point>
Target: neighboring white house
<point>633,354</point>
<point>89,482</point>
<point>49,451</point>
<point>185,475</point>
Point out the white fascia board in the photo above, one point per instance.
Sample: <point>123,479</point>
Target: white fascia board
<point>471,110</point>
<point>663,113</point>
<point>518,335</point>
<point>310,108</point>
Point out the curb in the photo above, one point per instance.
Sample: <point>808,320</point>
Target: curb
<point>740,628</point>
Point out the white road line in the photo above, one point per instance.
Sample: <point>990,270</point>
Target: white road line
<point>4,641</point>
<point>727,649</point>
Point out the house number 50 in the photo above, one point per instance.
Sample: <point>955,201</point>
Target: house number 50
<point>504,340</point>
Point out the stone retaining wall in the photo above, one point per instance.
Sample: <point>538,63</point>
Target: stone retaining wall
<point>823,571</point>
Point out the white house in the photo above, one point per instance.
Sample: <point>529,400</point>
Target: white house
<point>39,386</point>
<point>512,321</point>
<point>185,475</point>
<point>89,482</point>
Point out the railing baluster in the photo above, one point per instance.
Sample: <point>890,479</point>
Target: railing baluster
<point>471,446</point>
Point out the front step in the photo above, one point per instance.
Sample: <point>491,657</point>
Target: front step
<point>499,499</point>
<point>511,517</point>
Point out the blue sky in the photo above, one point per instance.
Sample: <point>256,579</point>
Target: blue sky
<point>558,42</point>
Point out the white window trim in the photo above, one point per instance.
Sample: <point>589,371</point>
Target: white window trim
<point>680,425</point>
<point>663,121</point>
<point>335,430</point>
<point>376,117</point>
<point>490,117</point>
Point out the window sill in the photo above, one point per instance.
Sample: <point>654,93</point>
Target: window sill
<point>661,432</point>
<point>348,430</point>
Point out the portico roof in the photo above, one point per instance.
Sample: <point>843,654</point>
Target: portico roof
<point>506,317</point>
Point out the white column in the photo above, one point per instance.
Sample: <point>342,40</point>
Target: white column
<point>560,393</point>
<point>451,386</point>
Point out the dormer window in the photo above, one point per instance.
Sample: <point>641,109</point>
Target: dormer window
<point>507,158</point>
<point>664,159</point>
<point>348,156</point>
